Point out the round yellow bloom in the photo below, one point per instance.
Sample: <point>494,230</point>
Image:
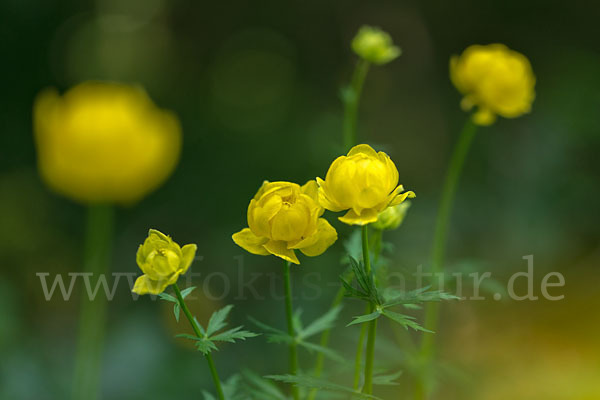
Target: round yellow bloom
<point>283,217</point>
<point>497,80</point>
<point>364,182</point>
<point>391,217</point>
<point>104,142</point>
<point>374,45</point>
<point>162,261</point>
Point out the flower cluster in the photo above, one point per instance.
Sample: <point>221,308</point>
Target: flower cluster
<point>497,80</point>
<point>283,216</point>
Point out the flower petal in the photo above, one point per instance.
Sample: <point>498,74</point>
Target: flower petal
<point>145,285</point>
<point>366,217</point>
<point>279,248</point>
<point>248,241</point>
<point>401,197</point>
<point>188,253</point>
<point>325,236</point>
<point>363,149</point>
<point>324,200</point>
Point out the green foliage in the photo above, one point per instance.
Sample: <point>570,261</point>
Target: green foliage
<point>173,299</point>
<point>387,380</point>
<point>367,289</point>
<point>217,321</point>
<point>324,322</point>
<point>321,384</point>
<point>233,389</point>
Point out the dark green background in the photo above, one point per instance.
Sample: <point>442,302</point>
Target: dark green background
<point>256,86</point>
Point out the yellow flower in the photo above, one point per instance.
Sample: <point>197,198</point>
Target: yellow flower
<point>162,261</point>
<point>391,217</point>
<point>104,142</point>
<point>374,45</point>
<point>497,80</point>
<point>364,182</point>
<point>283,217</point>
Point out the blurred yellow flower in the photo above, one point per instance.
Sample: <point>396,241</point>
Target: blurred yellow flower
<point>374,45</point>
<point>162,261</point>
<point>283,217</point>
<point>364,182</point>
<point>104,142</point>
<point>391,217</point>
<point>497,80</point>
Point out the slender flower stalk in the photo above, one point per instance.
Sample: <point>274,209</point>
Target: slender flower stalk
<point>319,364</point>
<point>99,228</point>
<point>351,100</point>
<point>192,321</point>
<point>360,347</point>
<point>432,309</point>
<point>368,386</point>
<point>290,325</point>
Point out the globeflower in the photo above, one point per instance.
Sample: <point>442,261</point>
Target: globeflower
<point>283,217</point>
<point>162,261</point>
<point>392,217</point>
<point>363,182</point>
<point>104,142</point>
<point>495,79</point>
<point>374,45</point>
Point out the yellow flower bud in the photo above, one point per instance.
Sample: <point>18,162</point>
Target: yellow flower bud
<point>374,45</point>
<point>391,217</point>
<point>162,261</point>
<point>104,142</point>
<point>283,217</point>
<point>497,80</point>
<point>364,182</point>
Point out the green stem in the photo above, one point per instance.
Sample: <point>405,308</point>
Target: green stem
<point>290,325</point>
<point>351,102</point>
<point>92,314</point>
<point>360,347</point>
<point>368,387</point>
<point>211,364</point>
<point>432,310</point>
<point>319,364</point>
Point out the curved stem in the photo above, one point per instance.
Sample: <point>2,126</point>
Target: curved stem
<point>290,326</point>
<point>351,100</point>
<point>90,338</point>
<point>368,387</point>
<point>211,364</point>
<point>432,310</point>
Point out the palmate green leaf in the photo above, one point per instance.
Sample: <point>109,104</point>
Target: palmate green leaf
<point>217,320</point>
<point>205,346</point>
<point>405,320</point>
<point>367,289</point>
<point>275,335</point>
<point>205,343</point>
<point>365,318</point>
<point>326,321</point>
<point>314,383</point>
<point>232,335</point>
<point>388,379</point>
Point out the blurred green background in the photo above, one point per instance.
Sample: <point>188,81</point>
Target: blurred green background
<point>256,86</point>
